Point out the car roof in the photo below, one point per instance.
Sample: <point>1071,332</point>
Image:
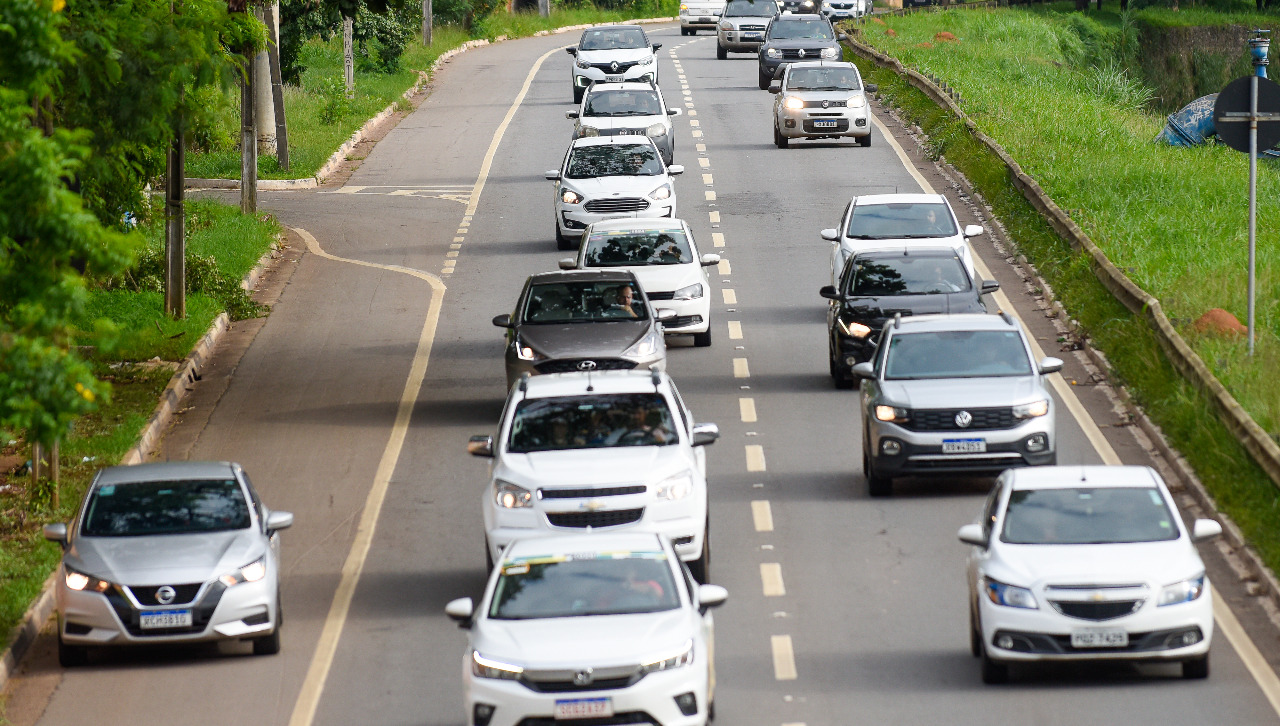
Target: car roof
<point>962,321</point>
<point>612,140</point>
<point>599,86</point>
<point>591,275</point>
<point>1093,477</point>
<point>585,542</point>
<point>577,383</point>
<point>655,223</point>
<point>167,471</point>
<point>898,198</point>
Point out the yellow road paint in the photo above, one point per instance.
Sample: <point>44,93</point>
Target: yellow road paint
<point>704,162</point>
<point>735,331</point>
<point>715,217</point>
<point>700,147</point>
<point>762,515</point>
<point>730,297</point>
<point>784,658</point>
<point>1258,667</point>
<point>694,122</point>
<point>461,230</point>
<point>724,268</point>
<point>697,134</point>
<point>707,179</point>
<point>459,239</point>
<point>771,578</point>
<point>755,457</point>
<point>717,239</point>
<point>711,196</point>
<point>451,253</point>
<point>747,409</point>
<point>740,369</point>
<point>455,247</point>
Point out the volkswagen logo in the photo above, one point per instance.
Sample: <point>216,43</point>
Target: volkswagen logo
<point>586,365</point>
<point>165,594</point>
<point>613,67</point>
<point>583,677</point>
<point>963,419</point>
<point>802,52</point>
<point>826,104</point>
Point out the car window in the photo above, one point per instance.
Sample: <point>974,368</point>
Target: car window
<point>623,103</point>
<point>683,409</point>
<point>1087,516</point>
<point>618,247</point>
<point>591,422</point>
<point>603,583</point>
<point>613,39</point>
<point>956,354</point>
<point>165,507</point>
<point>823,79</point>
<point>990,509</point>
<point>582,302</point>
<point>801,29</point>
<point>906,276</point>
<point>587,162</point>
<point>751,9</point>
<point>901,220</point>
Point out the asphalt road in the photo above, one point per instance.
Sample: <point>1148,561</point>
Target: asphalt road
<point>351,405</point>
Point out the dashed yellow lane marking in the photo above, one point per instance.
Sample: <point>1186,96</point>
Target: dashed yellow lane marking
<point>694,122</point>
<point>735,333</point>
<point>740,368</point>
<point>771,578</point>
<point>693,113</point>
<point>697,134</point>
<point>784,658</point>
<point>711,196</point>
<point>723,268</point>
<point>465,223</point>
<point>459,239</point>
<point>461,230</point>
<point>762,515</point>
<point>717,239</point>
<point>700,147</point>
<point>451,253</point>
<point>747,409</point>
<point>455,246</point>
<point>755,457</point>
<point>704,162</point>
<point>730,296</point>
<point>707,179</point>
<point>715,217</point>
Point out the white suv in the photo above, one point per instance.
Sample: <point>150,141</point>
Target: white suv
<point>612,53</point>
<point>578,452</point>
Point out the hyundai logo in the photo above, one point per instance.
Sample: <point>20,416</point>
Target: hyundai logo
<point>586,365</point>
<point>583,677</point>
<point>963,419</point>
<point>165,594</point>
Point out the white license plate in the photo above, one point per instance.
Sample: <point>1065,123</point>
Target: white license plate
<point>165,619</point>
<point>964,446</point>
<point>706,19</point>
<point>614,79</point>
<point>1099,638</point>
<point>824,124</point>
<point>753,36</point>
<point>584,708</point>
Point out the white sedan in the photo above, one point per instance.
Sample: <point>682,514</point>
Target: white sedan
<point>607,627</point>
<point>1086,563</point>
<point>894,221</point>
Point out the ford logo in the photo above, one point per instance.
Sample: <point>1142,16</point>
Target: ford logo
<point>586,365</point>
<point>165,594</point>
<point>963,419</point>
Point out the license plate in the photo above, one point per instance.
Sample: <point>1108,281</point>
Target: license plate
<point>629,132</point>
<point>753,36</point>
<point>584,708</point>
<point>165,619</point>
<point>824,124</point>
<point>614,79</point>
<point>707,19</point>
<point>964,446</point>
<point>1099,638</point>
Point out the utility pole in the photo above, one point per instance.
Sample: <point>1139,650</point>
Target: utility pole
<point>427,22</point>
<point>277,86</point>
<point>348,58</point>
<point>175,243</point>
<point>248,141</point>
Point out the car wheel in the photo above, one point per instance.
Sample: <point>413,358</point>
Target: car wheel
<point>71,656</point>
<point>779,140</point>
<point>702,340</point>
<point>842,379</point>
<point>1196,669</point>
<point>562,242</point>
<point>864,141</point>
<point>701,567</point>
<point>577,93</point>
<point>993,672</point>
<point>975,635</point>
<point>764,81</point>
<point>270,644</point>
<point>721,52</point>
<point>877,484</point>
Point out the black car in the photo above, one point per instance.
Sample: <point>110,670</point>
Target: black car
<point>877,285</point>
<point>790,38</point>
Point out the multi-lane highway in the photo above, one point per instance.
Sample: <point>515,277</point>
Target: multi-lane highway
<point>352,403</point>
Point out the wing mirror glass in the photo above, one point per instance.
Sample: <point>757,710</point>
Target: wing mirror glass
<point>709,260</point>
<point>973,230</point>
<point>972,534</point>
<point>830,235</point>
<point>705,433</point>
<point>480,446</point>
<point>864,370</point>
<point>568,263</point>
<point>460,611</point>
<point>1204,529</point>
<point>1050,365</point>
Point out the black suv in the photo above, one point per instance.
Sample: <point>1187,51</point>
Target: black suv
<point>877,285</point>
<point>796,38</point>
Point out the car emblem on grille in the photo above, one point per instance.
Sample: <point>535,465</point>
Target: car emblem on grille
<point>826,104</point>
<point>165,594</point>
<point>583,677</point>
<point>593,505</point>
<point>614,66</point>
<point>586,365</point>
<point>963,419</point>
<point>802,52</point>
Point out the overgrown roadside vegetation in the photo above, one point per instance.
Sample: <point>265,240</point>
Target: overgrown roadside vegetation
<point>1060,102</point>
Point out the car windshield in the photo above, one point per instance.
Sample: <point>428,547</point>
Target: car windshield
<point>612,39</point>
<point>823,79</point>
<point>619,247</point>
<point>581,584</point>
<point>751,9</point>
<point>906,276</point>
<point>588,162</point>
<point>165,507</point>
<point>591,422</point>
<point>901,220</point>
<point>957,354</point>
<point>1088,516</point>
<point>623,103</point>
<point>582,302</point>
<point>801,29</point>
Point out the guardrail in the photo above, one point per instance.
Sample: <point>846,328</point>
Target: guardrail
<point>1260,445</point>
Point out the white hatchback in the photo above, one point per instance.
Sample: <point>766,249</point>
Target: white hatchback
<point>664,258</point>
<point>606,627</point>
<point>612,53</point>
<point>1086,563</point>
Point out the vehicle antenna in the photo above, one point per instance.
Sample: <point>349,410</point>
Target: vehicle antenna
<point>590,386</point>
<point>655,375</point>
<point>897,320</point>
<point>524,384</point>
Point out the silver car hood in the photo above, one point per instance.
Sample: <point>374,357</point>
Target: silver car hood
<point>963,392</point>
<point>584,340</point>
<point>1159,563</point>
<point>577,642</point>
<point>617,186</point>
<point>621,122</point>
<point>166,559</point>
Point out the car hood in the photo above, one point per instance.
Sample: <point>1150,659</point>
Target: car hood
<point>880,309</point>
<point>797,43</point>
<point>621,122</point>
<point>584,340</point>
<point>1157,563</point>
<point>622,55</point>
<point>739,20</point>
<point>596,467</point>
<point>600,187</point>
<point>704,8</point>
<point>577,642</point>
<point>167,559</point>
<point>963,392</point>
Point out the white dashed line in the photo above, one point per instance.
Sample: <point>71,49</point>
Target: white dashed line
<point>740,368</point>
<point>747,411</point>
<point>704,162</point>
<point>755,457</point>
<point>784,658</point>
<point>771,579</point>
<point>717,238</point>
<point>762,515</point>
<point>711,196</point>
<point>714,216</point>
<point>707,179</point>
<point>730,296</point>
<point>723,268</point>
<point>735,333</point>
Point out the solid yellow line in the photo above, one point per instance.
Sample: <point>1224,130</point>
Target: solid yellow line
<point>747,408</point>
<point>1249,653</point>
<point>755,457</point>
<point>724,268</point>
<point>762,515</point>
<point>730,297</point>
<point>784,658</point>
<point>771,579</point>
<point>740,369</point>
<point>735,333</point>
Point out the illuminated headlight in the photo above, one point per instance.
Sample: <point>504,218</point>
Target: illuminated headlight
<point>853,330</point>
<point>676,487</point>
<point>656,130</point>
<point>807,4</point>
<point>524,352</point>
<point>582,63</point>
<point>482,667</point>
<point>684,7</point>
<point>691,292</point>
<point>586,131</point>
<point>662,192</point>
<point>80,581</point>
<point>511,496</point>
<point>1031,410</point>
<point>773,53</point>
<point>793,103</point>
<point>1008,595</point>
<point>829,52</point>
<point>646,61</point>
<point>251,572</point>
<point>1180,592</point>
<point>679,659</point>
<point>826,6</point>
<point>646,346</point>
<point>892,413</point>
<point>857,101</point>
<point>569,196</point>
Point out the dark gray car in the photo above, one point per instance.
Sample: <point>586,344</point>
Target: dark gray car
<point>796,38</point>
<point>583,320</point>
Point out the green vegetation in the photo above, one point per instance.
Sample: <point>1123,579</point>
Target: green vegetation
<point>1172,219</point>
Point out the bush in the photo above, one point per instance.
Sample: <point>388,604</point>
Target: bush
<point>203,276</point>
<point>336,105</point>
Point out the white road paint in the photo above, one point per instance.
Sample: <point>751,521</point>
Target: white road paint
<point>762,515</point>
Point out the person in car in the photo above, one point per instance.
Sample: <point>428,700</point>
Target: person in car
<point>624,303</point>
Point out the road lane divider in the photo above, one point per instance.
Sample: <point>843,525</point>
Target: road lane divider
<point>714,216</point>
<point>771,579</point>
<point>730,296</point>
<point>724,268</point>
<point>717,238</point>
<point>747,409</point>
<point>784,658</point>
<point>762,515</point>
<point>755,457</point>
<point>735,333</point>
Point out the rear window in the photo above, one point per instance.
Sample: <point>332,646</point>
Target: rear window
<point>591,422</point>
<point>166,507</point>
<point>901,220</point>
<point>621,247</point>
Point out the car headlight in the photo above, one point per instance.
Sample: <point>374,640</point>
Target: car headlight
<point>77,580</point>
<point>681,658</point>
<point>646,61</point>
<point>482,667</point>
<point>807,4</point>
<point>511,496</point>
<point>683,7</point>
<point>656,130</point>
<point>793,103</point>
<point>1180,592</point>
<point>586,131</point>
<point>826,6</point>
<point>773,53</point>
<point>676,487</point>
<point>726,25</point>
<point>830,52</point>
<point>662,192</point>
<point>569,196</point>
<point>1031,410</point>
<point>645,347</point>
<point>1008,595</point>
<point>892,413</point>
<point>251,572</point>
<point>857,101</point>
<point>852,329</point>
<point>581,63</point>
<point>690,292</point>
<point>524,352</point>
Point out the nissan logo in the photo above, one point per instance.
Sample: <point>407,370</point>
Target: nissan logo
<point>963,419</point>
<point>614,66</point>
<point>586,365</point>
<point>583,677</point>
<point>165,594</point>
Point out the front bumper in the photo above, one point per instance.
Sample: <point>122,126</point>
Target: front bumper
<point>573,218</point>
<point>583,77</point>
<point>683,521</point>
<point>698,22</point>
<point>692,316</point>
<point>516,366</point>
<point>921,451</point>
<point>817,122</point>
<point>740,41</point>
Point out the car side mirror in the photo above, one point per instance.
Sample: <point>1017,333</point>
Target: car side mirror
<point>1201,530</point>
<point>972,534</point>
<point>973,230</point>
<point>56,532</point>
<point>503,320</point>
<point>709,260</point>
<point>990,286</point>
<point>871,88</point>
<point>711,596</point>
<point>842,36</point>
<point>570,114</point>
<point>864,370</point>
<point>571,50</point>
<point>830,235</point>
<point>705,433</point>
<point>656,46</point>
<point>1050,365</point>
<point>568,263</point>
<point>460,611</point>
<point>552,175</point>
<point>675,169</point>
<point>675,111</point>
<point>829,292</point>
<point>775,86</point>
<point>481,445</point>
<point>277,521</point>
<point>664,314</point>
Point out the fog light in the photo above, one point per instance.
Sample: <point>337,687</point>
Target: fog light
<point>789,123</point>
<point>1004,642</point>
<point>850,361</point>
<point>688,703</point>
<point>1037,442</point>
<point>1183,639</point>
<point>482,714</point>
<point>890,447</point>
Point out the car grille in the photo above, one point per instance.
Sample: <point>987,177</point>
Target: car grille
<point>183,594</point>
<point>841,125</point>
<point>750,28</point>
<point>618,719</point>
<point>571,687</point>
<point>944,419</point>
<point>669,295</point>
<point>567,365</point>
<point>622,132</point>
<point>564,681</point>
<point>590,492</point>
<point>830,104</point>
<point>1096,610</point>
<point>201,612</point>
<point>1138,642</point>
<point>617,204</point>
<point>608,67</point>
<point>841,6</point>
<point>607,518</point>
<point>809,53</point>
<point>681,321</point>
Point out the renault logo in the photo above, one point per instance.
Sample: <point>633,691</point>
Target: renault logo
<point>165,594</point>
<point>614,66</point>
<point>963,419</point>
<point>586,365</point>
<point>583,677</point>
<point>802,52</point>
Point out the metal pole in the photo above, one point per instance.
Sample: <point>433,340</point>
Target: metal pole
<point>248,142</point>
<point>175,246</point>
<point>348,58</point>
<point>1253,195</point>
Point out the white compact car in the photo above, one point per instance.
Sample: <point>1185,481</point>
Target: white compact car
<point>604,450</point>
<point>627,109</point>
<point>698,15</point>
<point>612,53</point>
<point>1086,563</point>
<point>607,177</point>
<point>598,628</point>
<point>887,221</point>
<point>820,100</point>
<point>664,258</point>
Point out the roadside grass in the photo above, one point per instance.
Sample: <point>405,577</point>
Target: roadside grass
<point>1168,217</point>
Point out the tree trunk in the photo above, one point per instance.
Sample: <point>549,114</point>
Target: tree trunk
<point>175,243</point>
<point>248,141</point>
<point>348,58</point>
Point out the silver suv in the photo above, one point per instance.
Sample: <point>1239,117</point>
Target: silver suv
<point>954,393</point>
<point>627,109</point>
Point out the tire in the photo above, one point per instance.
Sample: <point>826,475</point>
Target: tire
<point>779,140</point>
<point>975,635</point>
<point>721,52</point>
<point>764,81</point>
<point>488,557</point>
<point>864,141</point>
<point>268,644</point>
<point>562,242</point>
<point>842,379</point>
<point>71,656</point>
<point>993,672</point>
<point>578,93</point>
<point>701,567</point>
<point>877,485</point>
<point>702,340</point>
<point>1197,669</point>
